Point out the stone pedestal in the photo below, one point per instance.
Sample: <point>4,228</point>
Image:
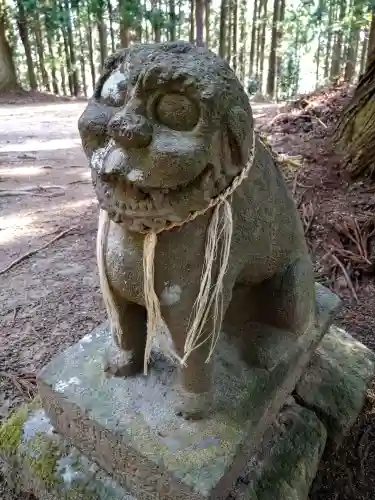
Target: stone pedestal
<point>119,438</point>
<point>129,428</point>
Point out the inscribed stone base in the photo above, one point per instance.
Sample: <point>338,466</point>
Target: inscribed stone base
<point>129,428</point>
<point>34,459</point>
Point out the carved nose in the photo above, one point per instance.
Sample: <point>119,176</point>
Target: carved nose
<point>130,130</point>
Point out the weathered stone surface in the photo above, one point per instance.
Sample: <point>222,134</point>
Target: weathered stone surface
<point>286,464</point>
<point>128,426</point>
<point>35,459</point>
<point>336,380</point>
<point>269,345</point>
<point>173,163</point>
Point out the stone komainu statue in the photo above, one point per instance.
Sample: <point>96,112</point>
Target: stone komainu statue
<point>192,208</point>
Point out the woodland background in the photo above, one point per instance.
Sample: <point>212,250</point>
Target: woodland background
<point>309,67</point>
<point>276,47</point>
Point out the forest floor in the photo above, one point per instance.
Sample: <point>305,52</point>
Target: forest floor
<point>51,297</point>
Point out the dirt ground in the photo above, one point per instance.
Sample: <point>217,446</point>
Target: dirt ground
<point>51,298</point>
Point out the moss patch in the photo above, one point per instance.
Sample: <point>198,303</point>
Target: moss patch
<point>42,456</point>
<point>11,431</point>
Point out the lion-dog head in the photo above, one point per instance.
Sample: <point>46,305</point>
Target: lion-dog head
<point>168,128</point>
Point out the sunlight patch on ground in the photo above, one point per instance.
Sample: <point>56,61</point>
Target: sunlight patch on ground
<point>37,145</point>
<point>13,227</point>
<point>42,108</point>
<point>27,171</point>
<point>10,234</point>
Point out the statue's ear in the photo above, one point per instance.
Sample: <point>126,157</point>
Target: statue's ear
<point>240,128</point>
<point>112,61</point>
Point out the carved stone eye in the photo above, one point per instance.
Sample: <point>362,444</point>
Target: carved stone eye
<point>177,112</point>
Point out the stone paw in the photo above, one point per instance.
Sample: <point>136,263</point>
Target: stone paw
<point>194,406</point>
<point>122,364</point>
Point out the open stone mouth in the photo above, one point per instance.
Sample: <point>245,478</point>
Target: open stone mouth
<point>124,200</point>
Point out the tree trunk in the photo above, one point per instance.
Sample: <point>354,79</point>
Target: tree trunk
<point>362,64</point>
<point>23,29</point>
<point>271,77</point>
<point>40,51</point>
<point>90,47</point>
<point>223,28</point>
<point>355,132</point>
<point>199,22</point>
<point>329,41</point>
<point>371,40</point>
<point>351,53</point>
<point>241,58</point>
<point>124,25</point>
<point>172,20</point>
<point>252,70</point>
<point>8,78</point>
<point>207,8</point>
<point>235,34</point>
<point>337,49</point>
<point>82,54</point>
<point>263,44</point>
<point>111,30</point>
<point>62,67</point>
<point>258,43</point>
<point>192,25</point>
<point>279,42</point>
<point>55,86</point>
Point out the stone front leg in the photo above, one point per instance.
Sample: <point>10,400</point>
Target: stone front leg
<point>196,377</point>
<point>130,342</point>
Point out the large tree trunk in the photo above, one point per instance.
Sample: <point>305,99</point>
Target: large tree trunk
<point>371,40</point>
<point>8,78</point>
<point>355,133</point>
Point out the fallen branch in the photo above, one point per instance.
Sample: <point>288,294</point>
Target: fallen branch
<point>308,216</point>
<point>25,383</point>
<point>346,276</point>
<point>31,190</point>
<point>33,252</point>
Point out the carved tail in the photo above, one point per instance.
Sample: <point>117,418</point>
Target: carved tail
<point>109,300</point>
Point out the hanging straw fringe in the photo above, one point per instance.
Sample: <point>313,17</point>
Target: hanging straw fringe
<point>220,228</point>
<point>204,301</point>
<point>101,250</point>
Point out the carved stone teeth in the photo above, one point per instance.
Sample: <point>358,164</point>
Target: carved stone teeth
<point>158,198</point>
